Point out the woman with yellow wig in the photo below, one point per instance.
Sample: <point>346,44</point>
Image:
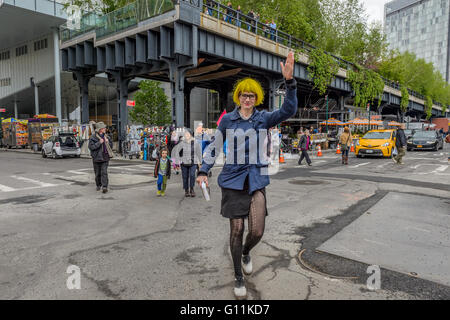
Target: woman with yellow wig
<point>245,175</point>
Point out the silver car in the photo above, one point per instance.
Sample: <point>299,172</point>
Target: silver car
<point>62,145</point>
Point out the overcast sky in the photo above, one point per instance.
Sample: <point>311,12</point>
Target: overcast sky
<point>375,9</point>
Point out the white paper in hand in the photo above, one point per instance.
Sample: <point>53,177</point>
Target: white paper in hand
<point>205,191</point>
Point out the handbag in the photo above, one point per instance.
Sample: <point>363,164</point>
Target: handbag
<point>395,151</point>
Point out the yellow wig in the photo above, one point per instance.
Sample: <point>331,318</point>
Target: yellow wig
<point>248,85</point>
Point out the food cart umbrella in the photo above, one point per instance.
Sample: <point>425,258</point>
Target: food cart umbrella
<point>9,120</point>
<point>332,122</point>
<point>44,116</point>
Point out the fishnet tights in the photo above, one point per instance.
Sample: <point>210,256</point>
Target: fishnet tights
<point>256,225</point>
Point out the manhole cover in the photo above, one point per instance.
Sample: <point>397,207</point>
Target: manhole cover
<point>306,182</point>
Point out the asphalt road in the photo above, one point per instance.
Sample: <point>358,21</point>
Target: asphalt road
<point>129,244</point>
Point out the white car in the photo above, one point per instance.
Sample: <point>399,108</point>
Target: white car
<point>63,145</point>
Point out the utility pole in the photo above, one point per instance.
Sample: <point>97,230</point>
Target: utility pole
<point>36,96</point>
<point>368,110</point>
<point>327,115</point>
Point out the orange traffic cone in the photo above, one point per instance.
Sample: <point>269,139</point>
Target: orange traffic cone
<point>281,156</point>
<point>319,151</point>
<point>338,150</point>
<point>352,148</point>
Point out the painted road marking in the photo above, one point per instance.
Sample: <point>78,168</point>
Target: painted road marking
<point>76,172</point>
<point>6,189</point>
<point>39,183</point>
<point>360,165</point>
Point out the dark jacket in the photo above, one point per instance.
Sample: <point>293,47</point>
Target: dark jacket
<point>400,139</point>
<point>195,149</point>
<point>304,145</point>
<point>169,168</point>
<point>233,176</point>
<point>96,149</point>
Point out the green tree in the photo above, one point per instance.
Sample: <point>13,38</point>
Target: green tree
<point>103,6</point>
<point>152,106</point>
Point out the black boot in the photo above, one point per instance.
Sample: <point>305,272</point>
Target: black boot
<point>186,193</point>
<point>192,193</point>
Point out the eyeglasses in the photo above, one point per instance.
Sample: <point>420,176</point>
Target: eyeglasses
<point>249,96</point>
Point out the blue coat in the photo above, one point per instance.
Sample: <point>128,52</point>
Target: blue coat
<point>233,175</point>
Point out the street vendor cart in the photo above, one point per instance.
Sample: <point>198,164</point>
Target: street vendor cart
<point>15,133</point>
<point>40,130</point>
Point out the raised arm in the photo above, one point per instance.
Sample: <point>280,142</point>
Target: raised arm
<point>290,105</point>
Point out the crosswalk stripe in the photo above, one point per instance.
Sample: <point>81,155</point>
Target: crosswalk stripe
<point>6,189</point>
<point>76,172</point>
<point>360,165</point>
<point>441,169</point>
<point>39,183</point>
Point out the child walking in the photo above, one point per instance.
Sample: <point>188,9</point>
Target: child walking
<point>162,172</point>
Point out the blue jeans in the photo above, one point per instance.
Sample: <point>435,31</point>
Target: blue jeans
<point>162,182</point>
<point>188,173</point>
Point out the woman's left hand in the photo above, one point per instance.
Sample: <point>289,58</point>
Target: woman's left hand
<point>288,68</point>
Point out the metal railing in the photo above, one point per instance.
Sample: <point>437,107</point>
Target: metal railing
<point>237,18</point>
<point>131,15</point>
<point>88,23</point>
<point>118,20</point>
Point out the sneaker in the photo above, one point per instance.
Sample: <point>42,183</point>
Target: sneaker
<point>163,193</point>
<point>99,188</point>
<point>105,190</point>
<point>395,161</point>
<point>247,264</point>
<point>401,162</point>
<point>309,164</point>
<point>187,194</point>
<point>240,292</point>
<point>192,193</point>
<point>158,193</point>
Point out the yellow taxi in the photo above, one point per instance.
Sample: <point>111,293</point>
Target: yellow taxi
<point>376,143</point>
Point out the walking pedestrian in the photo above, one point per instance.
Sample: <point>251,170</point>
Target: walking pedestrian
<point>400,144</point>
<point>345,141</point>
<point>100,146</point>
<point>191,157</point>
<point>243,184</point>
<point>304,147</point>
<point>162,172</point>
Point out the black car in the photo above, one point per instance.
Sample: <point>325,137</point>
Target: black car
<point>409,133</point>
<point>426,140</point>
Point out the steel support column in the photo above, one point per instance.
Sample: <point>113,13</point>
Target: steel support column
<point>122,83</point>
<point>274,85</point>
<point>83,83</point>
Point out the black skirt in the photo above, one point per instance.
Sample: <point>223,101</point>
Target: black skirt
<point>236,203</point>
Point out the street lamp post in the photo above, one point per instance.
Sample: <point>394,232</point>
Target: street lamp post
<point>368,110</point>
<point>327,115</point>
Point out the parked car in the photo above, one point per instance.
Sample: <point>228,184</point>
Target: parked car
<point>376,143</point>
<point>409,133</point>
<point>62,145</point>
<point>426,140</point>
